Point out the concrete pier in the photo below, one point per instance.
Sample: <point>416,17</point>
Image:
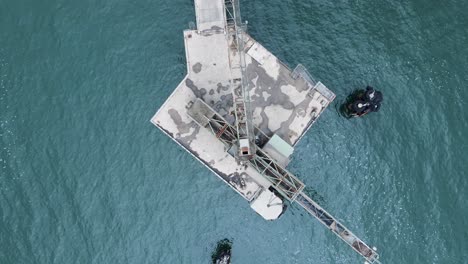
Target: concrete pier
<point>284,103</point>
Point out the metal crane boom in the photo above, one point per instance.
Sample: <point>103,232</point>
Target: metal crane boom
<point>242,111</point>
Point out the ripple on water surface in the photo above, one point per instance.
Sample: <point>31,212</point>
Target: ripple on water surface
<point>86,178</point>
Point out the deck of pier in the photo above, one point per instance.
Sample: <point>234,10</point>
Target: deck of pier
<point>283,102</point>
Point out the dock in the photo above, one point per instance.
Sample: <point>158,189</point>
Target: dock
<point>237,97</point>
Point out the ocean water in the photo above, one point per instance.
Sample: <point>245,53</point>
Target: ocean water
<point>86,178</point>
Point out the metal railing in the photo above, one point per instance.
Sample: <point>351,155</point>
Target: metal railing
<point>301,72</point>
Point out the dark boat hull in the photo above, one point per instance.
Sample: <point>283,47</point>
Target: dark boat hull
<point>361,102</point>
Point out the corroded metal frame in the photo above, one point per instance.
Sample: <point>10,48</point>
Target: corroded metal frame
<point>283,181</point>
<point>337,228</point>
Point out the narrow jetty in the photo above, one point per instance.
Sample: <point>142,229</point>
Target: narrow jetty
<point>240,111</point>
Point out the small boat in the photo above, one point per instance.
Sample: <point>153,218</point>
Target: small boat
<point>362,102</point>
<point>222,254</point>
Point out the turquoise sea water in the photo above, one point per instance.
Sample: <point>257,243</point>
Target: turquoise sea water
<point>86,178</point>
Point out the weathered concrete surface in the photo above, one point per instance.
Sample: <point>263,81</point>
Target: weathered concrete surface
<point>280,104</point>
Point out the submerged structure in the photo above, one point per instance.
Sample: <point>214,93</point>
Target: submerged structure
<point>240,111</point>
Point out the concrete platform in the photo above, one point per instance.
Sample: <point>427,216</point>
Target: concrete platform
<point>199,115</point>
<point>210,14</point>
<point>283,102</point>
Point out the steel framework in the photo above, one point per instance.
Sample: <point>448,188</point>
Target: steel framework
<point>242,111</point>
<point>283,181</point>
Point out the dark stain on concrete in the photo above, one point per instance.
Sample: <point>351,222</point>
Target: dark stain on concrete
<point>265,83</point>
<point>220,88</point>
<point>184,128</point>
<point>236,180</point>
<point>188,139</point>
<point>199,93</point>
<point>223,106</point>
<point>264,123</point>
<point>260,83</point>
<point>197,67</point>
<point>181,126</point>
